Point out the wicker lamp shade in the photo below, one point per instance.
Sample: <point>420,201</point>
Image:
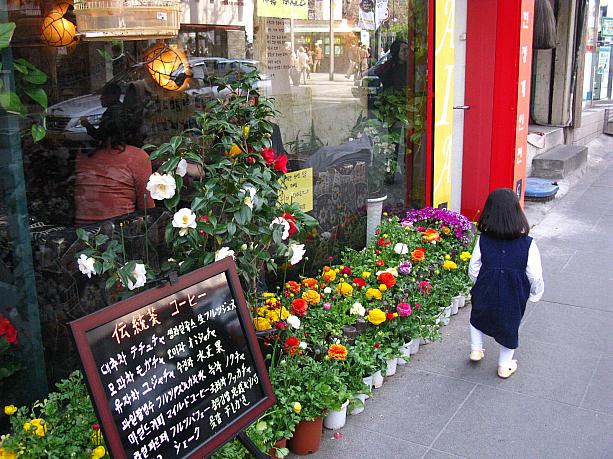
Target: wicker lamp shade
<point>56,30</point>
<point>168,67</point>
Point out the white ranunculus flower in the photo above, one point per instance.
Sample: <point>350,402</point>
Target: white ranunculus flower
<point>140,274</point>
<point>86,265</point>
<point>357,309</point>
<point>302,345</point>
<point>401,249</point>
<point>223,253</point>
<point>249,193</point>
<point>297,253</point>
<point>181,168</point>
<point>392,271</point>
<point>327,290</point>
<point>161,186</point>
<point>293,321</point>
<point>283,222</point>
<point>184,219</point>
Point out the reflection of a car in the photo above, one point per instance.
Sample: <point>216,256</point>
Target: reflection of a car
<point>63,118</point>
<point>369,83</point>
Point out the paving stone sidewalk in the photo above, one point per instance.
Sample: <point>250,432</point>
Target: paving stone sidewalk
<point>559,404</point>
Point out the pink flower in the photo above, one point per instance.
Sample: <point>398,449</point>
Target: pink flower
<point>327,306</point>
<point>424,287</point>
<point>404,309</point>
<point>417,305</point>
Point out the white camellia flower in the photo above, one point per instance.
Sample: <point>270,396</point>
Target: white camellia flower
<point>357,309</point>
<point>249,193</point>
<point>223,253</point>
<point>401,249</point>
<point>161,186</point>
<point>184,219</point>
<point>327,290</point>
<point>283,222</point>
<point>297,253</point>
<point>293,321</point>
<point>181,168</point>
<point>140,274</point>
<point>86,265</point>
<point>302,345</point>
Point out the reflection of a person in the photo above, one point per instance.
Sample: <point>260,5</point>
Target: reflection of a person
<point>317,57</point>
<point>352,58</point>
<point>112,180</point>
<point>394,73</point>
<point>109,99</point>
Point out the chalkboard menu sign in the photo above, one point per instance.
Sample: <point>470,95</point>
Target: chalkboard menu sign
<point>176,371</point>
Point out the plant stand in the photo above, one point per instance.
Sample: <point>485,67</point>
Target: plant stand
<point>374,208</point>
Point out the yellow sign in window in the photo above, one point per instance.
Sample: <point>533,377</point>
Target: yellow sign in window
<point>298,188</point>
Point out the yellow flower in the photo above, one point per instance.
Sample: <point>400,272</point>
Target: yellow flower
<point>274,315</point>
<point>246,130</point>
<point>40,425</point>
<point>284,313</point>
<point>344,289</point>
<point>365,274</point>
<point>10,410</point>
<point>297,407</point>
<point>329,275</point>
<point>96,436</point>
<point>373,293</point>
<point>234,151</point>
<point>383,287</point>
<point>376,316</point>
<point>98,452</point>
<point>311,297</point>
<point>27,426</point>
<point>268,295</point>
<point>447,257</point>
<point>4,454</point>
<point>261,324</point>
<point>465,256</point>
<point>262,311</point>
<point>395,315</point>
<point>449,265</point>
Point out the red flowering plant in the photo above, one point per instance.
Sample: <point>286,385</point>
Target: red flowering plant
<point>221,181</point>
<point>8,347</point>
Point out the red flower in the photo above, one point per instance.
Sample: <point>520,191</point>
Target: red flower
<point>300,307</point>
<point>280,164</point>
<point>379,262</point>
<point>281,325</point>
<point>251,160</point>
<point>346,270</point>
<point>8,330</point>
<point>382,242</point>
<point>292,223</point>
<point>291,345</point>
<point>293,286</point>
<point>377,344</point>
<point>268,154</point>
<point>377,251</point>
<point>204,218</point>
<point>388,279</point>
<point>389,316</point>
<point>359,282</point>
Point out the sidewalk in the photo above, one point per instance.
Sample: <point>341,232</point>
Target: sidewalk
<point>559,404</point>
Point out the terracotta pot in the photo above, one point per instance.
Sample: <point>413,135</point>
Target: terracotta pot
<point>307,437</point>
<point>272,452</point>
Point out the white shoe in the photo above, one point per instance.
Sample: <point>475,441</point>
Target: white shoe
<point>476,356</point>
<point>507,370</point>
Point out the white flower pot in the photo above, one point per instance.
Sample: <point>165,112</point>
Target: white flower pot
<point>336,419</point>
<point>368,381</point>
<point>447,311</point>
<point>455,305</point>
<point>461,301</point>
<point>391,367</point>
<point>359,409</point>
<point>374,208</point>
<point>414,345</point>
<point>467,299</point>
<point>377,379</point>
<point>445,321</point>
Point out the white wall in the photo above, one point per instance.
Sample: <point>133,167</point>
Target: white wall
<point>458,99</point>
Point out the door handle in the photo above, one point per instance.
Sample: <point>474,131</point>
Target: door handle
<point>461,107</point>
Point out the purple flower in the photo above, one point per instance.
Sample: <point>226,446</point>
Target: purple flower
<point>437,217</point>
<point>405,267</point>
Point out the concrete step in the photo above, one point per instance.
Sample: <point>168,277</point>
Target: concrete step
<point>541,139</point>
<point>560,161</point>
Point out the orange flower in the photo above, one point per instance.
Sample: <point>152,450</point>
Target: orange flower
<point>387,279</point>
<point>300,307</point>
<point>337,352</point>
<point>293,287</point>
<point>234,151</point>
<point>311,296</point>
<point>419,254</point>
<point>446,230</point>
<point>309,282</point>
<point>431,235</point>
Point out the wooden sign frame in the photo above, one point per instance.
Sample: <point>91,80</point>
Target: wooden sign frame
<point>82,326</point>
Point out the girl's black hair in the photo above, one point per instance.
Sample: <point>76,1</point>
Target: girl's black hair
<point>395,50</point>
<point>503,217</point>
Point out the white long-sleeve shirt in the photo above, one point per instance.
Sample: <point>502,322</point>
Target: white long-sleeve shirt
<point>534,270</point>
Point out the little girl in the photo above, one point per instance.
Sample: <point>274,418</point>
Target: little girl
<point>506,270</point>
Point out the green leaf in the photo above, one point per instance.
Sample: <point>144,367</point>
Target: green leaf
<point>32,74</point>
<point>110,283</point>
<point>82,234</point>
<point>11,102</point>
<point>6,33</point>
<point>176,142</point>
<point>231,229</point>
<point>105,54</point>
<point>38,133</point>
<point>198,203</point>
<point>101,239</point>
<point>38,95</point>
<point>172,202</point>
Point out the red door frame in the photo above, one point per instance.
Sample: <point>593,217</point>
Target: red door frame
<point>430,104</point>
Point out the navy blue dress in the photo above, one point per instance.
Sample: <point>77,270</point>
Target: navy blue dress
<point>501,291</point>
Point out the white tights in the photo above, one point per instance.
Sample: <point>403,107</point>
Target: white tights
<point>476,344</point>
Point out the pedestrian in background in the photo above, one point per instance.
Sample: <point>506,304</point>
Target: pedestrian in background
<point>506,270</point>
